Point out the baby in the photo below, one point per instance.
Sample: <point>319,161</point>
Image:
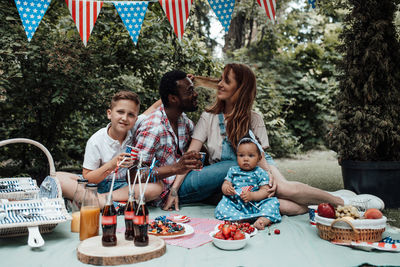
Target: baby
<point>245,189</point>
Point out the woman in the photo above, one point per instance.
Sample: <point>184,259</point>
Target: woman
<point>222,126</point>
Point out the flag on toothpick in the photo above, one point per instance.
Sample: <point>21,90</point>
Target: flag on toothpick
<point>84,13</point>
<point>177,12</point>
<point>223,9</point>
<point>133,151</point>
<point>132,14</point>
<point>244,189</point>
<point>269,6</point>
<point>31,13</point>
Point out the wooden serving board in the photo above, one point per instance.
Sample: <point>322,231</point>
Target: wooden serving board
<point>91,251</point>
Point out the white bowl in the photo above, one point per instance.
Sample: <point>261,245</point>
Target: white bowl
<point>229,244</point>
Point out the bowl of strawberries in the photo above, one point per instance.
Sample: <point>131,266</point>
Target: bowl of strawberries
<point>229,237</point>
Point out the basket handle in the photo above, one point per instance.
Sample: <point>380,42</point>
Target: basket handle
<point>37,144</point>
<point>355,231</point>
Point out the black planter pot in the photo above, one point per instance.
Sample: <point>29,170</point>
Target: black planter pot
<point>380,178</point>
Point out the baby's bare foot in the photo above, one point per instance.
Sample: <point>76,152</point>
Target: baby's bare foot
<point>261,223</point>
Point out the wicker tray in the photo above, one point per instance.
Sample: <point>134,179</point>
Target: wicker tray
<point>344,230</point>
<point>48,203</point>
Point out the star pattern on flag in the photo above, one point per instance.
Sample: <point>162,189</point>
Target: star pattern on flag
<point>223,9</point>
<point>132,14</point>
<point>31,13</point>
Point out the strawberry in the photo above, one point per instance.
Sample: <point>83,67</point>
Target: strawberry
<point>277,231</point>
<point>239,235</point>
<point>226,231</point>
<point>233,228</point>
<point>219,235</point>
<point>220,226</point>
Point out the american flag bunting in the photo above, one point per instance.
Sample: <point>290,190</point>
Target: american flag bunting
<point>31,13</point>
<point>84,13</point>
<point>223,9</point>
<point>177,12</point>
<point>269,6</point>
<point>132,14</point>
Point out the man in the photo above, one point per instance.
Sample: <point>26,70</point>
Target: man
<point>165,134</point>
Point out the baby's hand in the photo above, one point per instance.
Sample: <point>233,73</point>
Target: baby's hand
<point>246,196</point>
<point>228,189</point>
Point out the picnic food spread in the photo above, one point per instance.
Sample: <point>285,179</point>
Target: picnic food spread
<point>161,226</point>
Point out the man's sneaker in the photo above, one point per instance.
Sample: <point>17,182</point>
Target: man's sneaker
<point>343,193</point>
<point>366,201</point>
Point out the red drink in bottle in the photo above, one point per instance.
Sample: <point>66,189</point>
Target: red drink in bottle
<point>109,226</point>
<point>140,225</point>
<point>129,214</point>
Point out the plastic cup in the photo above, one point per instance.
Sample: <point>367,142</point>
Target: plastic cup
<point>203,157</point>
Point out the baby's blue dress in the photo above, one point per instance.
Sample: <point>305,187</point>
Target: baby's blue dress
<point>234,208</point>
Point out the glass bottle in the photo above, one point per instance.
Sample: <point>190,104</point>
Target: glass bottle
<point>129,213</point>
<point>140,224</point>
<point>77,203</point>
<point>90,213</point>
<point>109,225</point>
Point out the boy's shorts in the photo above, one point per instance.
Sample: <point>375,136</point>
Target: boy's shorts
<point>104,186</point>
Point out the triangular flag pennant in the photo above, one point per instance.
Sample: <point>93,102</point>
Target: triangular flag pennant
<point>269,7</point>
<point>223,9</point>
<point>31,13</point>
<point>177,12</point>
<point>132,14</point>
<point>84,13</point>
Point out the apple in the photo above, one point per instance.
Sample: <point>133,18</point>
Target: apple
<point>326,210</point>
<point>373,214</point>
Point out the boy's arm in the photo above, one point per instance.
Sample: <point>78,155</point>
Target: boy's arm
<point>99,174</point>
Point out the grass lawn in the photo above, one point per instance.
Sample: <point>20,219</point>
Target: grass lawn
<point>321,169</point>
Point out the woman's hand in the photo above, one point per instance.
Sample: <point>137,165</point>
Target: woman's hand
<point>228,189</point>
<point>272,185</point>
<point>172,200</point>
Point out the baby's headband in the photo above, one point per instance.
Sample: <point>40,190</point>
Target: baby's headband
<point>252,139</point>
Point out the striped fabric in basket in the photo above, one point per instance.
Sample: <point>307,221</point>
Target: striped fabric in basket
<point>9,185</point>
<point>32,212</point>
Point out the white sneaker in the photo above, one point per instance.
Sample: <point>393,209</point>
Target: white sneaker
<point>365,201</point>
<point>343,193</point>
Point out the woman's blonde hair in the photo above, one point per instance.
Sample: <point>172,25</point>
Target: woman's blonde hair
<point>238,121</point>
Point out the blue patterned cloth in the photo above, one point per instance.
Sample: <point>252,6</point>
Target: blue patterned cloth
<point>234,208</point>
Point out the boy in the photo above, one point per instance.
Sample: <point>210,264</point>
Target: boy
<point>107,147</point>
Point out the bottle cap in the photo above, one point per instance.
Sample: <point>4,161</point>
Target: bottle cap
<point>82,180</point>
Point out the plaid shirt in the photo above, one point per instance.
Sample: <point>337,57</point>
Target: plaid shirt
<point>156,138</point>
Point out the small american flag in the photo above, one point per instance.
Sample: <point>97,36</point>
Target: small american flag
<point>269,6</point>
<point>84,13</point>
<point>244,189</point>
<point>177,12</point>
<point>133,151</point>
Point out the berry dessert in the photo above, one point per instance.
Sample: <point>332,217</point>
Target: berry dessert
<point>161,226</point>
<point>245,227</point>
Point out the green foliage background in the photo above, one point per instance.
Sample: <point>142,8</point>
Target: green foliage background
<point>56,91</point>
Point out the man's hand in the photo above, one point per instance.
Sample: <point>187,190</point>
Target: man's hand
<point>173,200</point>
<point>228,189</point>
<point>189,161</point>
<point>246,196</point>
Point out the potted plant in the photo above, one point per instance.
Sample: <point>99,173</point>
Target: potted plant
<point>366,135</point>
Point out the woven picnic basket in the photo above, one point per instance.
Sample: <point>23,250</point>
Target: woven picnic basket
<point>343,230</point>
<point>48,199</point>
